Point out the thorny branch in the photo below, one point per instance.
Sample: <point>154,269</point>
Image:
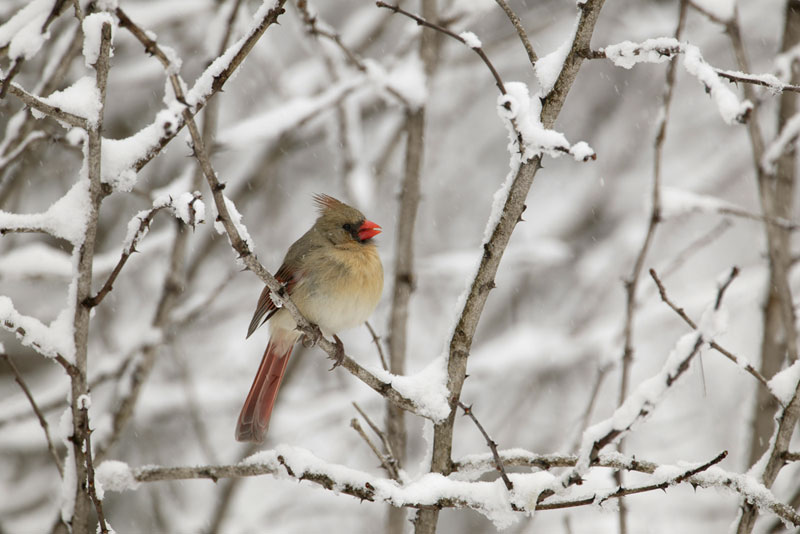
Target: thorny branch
<point>491,443</point>
<point>744,364</point>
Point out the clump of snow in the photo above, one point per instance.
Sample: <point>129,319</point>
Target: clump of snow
<point>65,218</point>
<point>189,208</point>
<point>522,116</point>
<point>32,333</point>
<point>730,108</point>
<point>548,67</point>
<point>471,40</point>
<point>22,33</point>
<point>92,35</point>
<point>236,218</point>
<point>120,155</point>
<point>627,53</point>
<point>426,389</point>
<point>784,385</point>
<point>81,98</point>
<point>114,475</point>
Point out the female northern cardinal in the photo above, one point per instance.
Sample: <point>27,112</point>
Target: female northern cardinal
<point>335,277</point>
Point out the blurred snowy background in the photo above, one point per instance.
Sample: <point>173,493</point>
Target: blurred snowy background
<point>298,120</point>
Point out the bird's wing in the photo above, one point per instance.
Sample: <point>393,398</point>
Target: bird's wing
<point>266,307</point>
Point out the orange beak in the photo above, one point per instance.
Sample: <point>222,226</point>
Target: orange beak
<point>368,230</point>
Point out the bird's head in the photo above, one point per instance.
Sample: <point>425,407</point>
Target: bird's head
<point>342,224</point>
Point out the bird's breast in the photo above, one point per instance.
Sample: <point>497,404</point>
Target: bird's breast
<point>341,288</point>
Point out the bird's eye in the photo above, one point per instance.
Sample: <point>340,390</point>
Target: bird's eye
<point>348,227</point>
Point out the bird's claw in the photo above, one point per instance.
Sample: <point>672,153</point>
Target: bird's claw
<point>311,340</point>
<point>338,356</point>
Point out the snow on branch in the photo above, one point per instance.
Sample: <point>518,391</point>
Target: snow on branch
<point>188,207</point>
<point>432,490</point>
<point>781,144</point>
<point>644,399</point>
<point>627,54</point>
<point>676,203</point>
<point>521,113</point>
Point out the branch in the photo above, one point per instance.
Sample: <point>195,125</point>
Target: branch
<point>741,362</point>
<point>36,103</point>
<point>390,465</point>
<point>520,31</point>
<point>377,340</point>
<point>422,22</point>
<point>102,526</point>
<point>492,446</point>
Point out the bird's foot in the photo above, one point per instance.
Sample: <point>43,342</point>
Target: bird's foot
<point>338,357</point>
<point>312,340</point>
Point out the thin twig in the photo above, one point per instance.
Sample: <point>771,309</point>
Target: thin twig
<point>377,340</point>
<point>491,443</point>
<point>380,433</point>
<point>391,470</point>
<point>39,415</point>
<point>520,31</point>
<point>34,102</point>
<point>422,22</point>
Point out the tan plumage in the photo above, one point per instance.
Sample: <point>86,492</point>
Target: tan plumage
<point>334,275</point>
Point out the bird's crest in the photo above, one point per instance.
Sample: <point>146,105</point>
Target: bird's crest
<point>327,202</point>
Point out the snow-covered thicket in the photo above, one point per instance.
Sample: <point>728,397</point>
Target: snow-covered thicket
<point>611,323</point>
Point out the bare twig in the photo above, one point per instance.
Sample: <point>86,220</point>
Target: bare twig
<point>520,31</point>
<point>389,466</point>
<point>387,445</point>
<point>422,22</point>
<point>490,443</point>
<point>39,415</point>
<point>744,364</point>
<point>377,340</point>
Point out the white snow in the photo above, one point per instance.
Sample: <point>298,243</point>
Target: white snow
<point>548,67</point>
<point>784,385</point>
<point>407,77</point>
<point>730,108</point>
<point>786,138</point>
<point>65,218</point>
<point>22,32</point>
<point>36,334</point>
<point>81,98</point>
<point>92,32</point>
<point>114,475</point>
<point>427,389</point>
<point>470,39</point>
<point>627,53</point>
<point>120,155</point>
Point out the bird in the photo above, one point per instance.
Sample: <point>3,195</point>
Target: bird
<point>334,276</point>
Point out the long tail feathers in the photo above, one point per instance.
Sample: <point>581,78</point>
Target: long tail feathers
<point>254,418</point>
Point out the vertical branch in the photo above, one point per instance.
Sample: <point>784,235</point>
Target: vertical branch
<point>85,253</point>
<point>776,195</point>
<point>493,249</point>
<point>404,256</point>
<point>632,283</point>
<point>779,334</point>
